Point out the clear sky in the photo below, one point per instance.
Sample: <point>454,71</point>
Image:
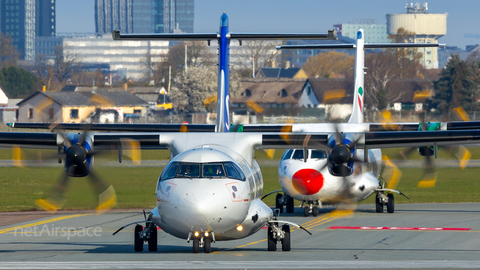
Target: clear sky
<point>307,16</point>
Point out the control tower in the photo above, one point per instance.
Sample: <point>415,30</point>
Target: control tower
<point>427,27</point>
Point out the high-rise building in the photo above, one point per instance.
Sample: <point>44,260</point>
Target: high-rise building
<point>374,33</point>
<point>144,16</point>
<point>113,15</point>
<point>45,22</point>
<point>22,20</point>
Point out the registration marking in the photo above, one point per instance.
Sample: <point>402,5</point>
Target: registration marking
<point>397,228</point>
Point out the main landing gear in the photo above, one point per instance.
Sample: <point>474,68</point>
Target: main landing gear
<point>382,200</point>
<point>277,233</point>
<point>201,241</point>
<point>311,208</point>
<point>147,234</point>
<point>286,200</point>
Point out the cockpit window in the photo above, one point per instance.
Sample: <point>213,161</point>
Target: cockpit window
<point>170,171</point>
<point>287,154</point>
<point>189,170</point>
<point>202,170</point>
<point>213,170</point>
<point>231,172</point>
<point>318,154</point>
<point>298,154</point>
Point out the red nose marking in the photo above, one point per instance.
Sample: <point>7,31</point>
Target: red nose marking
<point>307,181</point>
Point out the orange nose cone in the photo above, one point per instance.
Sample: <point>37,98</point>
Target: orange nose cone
<point>307,181</point>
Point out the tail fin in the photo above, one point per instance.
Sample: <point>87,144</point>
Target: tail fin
<point>359,92</point>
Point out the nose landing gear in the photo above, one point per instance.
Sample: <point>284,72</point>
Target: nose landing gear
<point>147,234</point>
<point>277,233</point>
<point>201,241</point>
<point>311,208</point>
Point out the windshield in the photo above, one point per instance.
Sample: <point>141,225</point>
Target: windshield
<point>202,170</point>
<point>318,154</point>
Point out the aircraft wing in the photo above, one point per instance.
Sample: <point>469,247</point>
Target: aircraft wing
<point>366,46</point>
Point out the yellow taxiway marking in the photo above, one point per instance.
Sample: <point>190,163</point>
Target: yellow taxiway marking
<point>41,222</point>
<point>307,225</point>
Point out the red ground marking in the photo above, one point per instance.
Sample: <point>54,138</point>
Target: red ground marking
<point>397,228</point>
<point>264,227</point>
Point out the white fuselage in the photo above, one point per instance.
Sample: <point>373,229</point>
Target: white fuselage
<point>204,202</point>
<point>305,180</point>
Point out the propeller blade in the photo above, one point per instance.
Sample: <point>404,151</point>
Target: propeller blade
<point>56,199</point>
<point>131,148</point>
<point>430,175</point>
<point>391,173</point>
<point>107,198</point>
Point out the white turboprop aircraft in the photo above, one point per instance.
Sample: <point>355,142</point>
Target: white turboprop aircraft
<point>311,177</point>
<point>211,189</point>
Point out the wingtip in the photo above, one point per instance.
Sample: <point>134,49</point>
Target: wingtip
<point>116,35</point>
<point>10,125</point>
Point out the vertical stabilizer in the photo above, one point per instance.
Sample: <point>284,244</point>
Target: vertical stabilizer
<point>359,91</point>
<point>223,93</point>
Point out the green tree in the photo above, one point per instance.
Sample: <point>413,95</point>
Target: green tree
<point>18,83</point>
<point>456,87</point>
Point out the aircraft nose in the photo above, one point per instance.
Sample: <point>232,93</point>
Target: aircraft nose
<point>307,181</point>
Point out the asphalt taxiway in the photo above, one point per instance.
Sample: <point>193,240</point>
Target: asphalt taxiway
<point>428,236</point>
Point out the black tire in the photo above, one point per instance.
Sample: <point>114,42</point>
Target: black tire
<point>314,211</point>
<point>196,245</point>
<point>272,243</point>
<point>278,204</point>
<point>152,242</point>
<point>378,205</point>
<point>286,240</point>
<point>306,211</point>
<point>290,204</point>
<point>138,243</point>
<point>207,245</point>
<point>390,203</point>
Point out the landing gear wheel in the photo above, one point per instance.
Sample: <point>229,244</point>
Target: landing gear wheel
<point>286,240</point>
<point>196,245</point>
<point>378,205</point>
<point>278,204</point>
<point>138,243</point>
<point>272,243</point>
<point>152,242</point>
<point>390,203</point>
<point>306,211</point>
<point>207,245</point>
<point>290,206</point>
<point>315,211</point>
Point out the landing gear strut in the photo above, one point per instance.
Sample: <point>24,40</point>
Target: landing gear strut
<point>202,241</point>
<point>147,234</point>
<point>382,199</point>
<point>281,200</point>
<point>277,233</point>
<point>311,208</point>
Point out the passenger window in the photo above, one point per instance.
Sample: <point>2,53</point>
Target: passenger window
<point>318,154</point>
<point>298,154</point>
<point>170,171</point>
<point>189,170</point>
<point>213,170</point>
<point>287,154</point>
<point>231,172</point>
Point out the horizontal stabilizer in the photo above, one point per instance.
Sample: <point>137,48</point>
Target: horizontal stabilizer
<point>401,45</point>
<point>165,36</point>
<point>318,46</point>
<point>331,35</point>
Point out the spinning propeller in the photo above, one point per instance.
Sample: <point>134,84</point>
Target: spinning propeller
<point>77,156</point>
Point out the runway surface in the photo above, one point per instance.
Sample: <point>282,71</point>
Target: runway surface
<point>428,236</point>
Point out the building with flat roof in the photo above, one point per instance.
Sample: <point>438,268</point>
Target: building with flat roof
<point>374,33</point>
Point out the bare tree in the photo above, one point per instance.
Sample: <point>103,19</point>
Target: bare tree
<point>258,53</point>
<point>195,86</point>
<point>8,53</point>
<point>65,62</point>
